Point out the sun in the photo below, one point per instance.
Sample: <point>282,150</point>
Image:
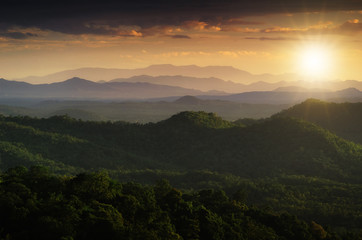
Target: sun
<point>314,61</point>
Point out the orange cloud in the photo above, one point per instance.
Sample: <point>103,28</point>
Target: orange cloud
<point>134,33</point>
<point>353,21</point>
<point>229,53</point>
<point>161,30</point>
<point>220,53</point>
<point>353,26</point>
<point>321,27</point>
<point>272,38</point>
<point>200,26</point>
<point>240,29</point>
<point>283,30</point>
<point>235,54</point>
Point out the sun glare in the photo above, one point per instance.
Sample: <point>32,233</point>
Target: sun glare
<point>314,61</point>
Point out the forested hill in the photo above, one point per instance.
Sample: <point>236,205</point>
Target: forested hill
<point>187,141</point>
<point>344,119</point>
<point>284,163</point>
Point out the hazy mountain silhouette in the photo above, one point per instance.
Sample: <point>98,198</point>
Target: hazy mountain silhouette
<point>204,84</point>
<point>313,86</point>
<point>189,100</point>
<point>344,84</point>
<point>81,88</point>
<point>281,97</point>
<point>207,84</point>
<point>226,73</point>
<point>210,78</point>
<point>13,86</point>
<point>351,92</point>
<point>137,89</point>
<point>298,89</point>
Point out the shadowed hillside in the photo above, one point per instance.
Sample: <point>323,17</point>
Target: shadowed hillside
<point>288,164</point>
<point>192,140</point>
<point>344,119</point>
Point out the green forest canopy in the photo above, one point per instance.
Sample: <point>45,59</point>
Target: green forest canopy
<point>37,205</point>
<point>284,163</point>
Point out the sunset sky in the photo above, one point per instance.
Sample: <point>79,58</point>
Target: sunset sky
<point>314,38</point>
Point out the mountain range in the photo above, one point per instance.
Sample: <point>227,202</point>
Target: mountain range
<point>149,87</point>
<point>218,79</point>
<point>83,89</point>
<point>205,84</point>
<point>226,73</point>
<point>218,84</point>
<point>285,97</point>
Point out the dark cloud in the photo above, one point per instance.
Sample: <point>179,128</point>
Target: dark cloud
<point>181,36</point>
<point>17,35</point>
<point>234,21</point>
<point>105,17</point>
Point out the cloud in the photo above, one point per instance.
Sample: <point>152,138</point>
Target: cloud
<point>271,38</point>
<point>229,53</point>
<point>106,16</point>
<point>161,30</point>
<point>236,54</point>
<point>181,36</point>
<point>240,29</point>
<point>220,53</point>
<point>278,29</point>
<point>319,28</point>
<point>132,33</point>
<point>240,21</point>
<point>200,26</point>
<point>353,26</point>
<point>17,35</point>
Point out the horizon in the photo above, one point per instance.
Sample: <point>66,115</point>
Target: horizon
<point>297,77</point>
<point>161,75</point>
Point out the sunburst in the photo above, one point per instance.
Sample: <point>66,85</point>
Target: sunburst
<point>314,60</point>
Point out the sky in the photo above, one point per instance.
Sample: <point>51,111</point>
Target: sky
<point>318,39</point>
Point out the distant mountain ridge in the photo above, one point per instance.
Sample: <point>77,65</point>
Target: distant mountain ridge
<point>212,83</point>
<point>190,100</point>
<point>204,84</point>
<point>210,78</point>
<point>226,73</point>
<point>77,88</point>
<point>276,97</point>
<point>83,89</point>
